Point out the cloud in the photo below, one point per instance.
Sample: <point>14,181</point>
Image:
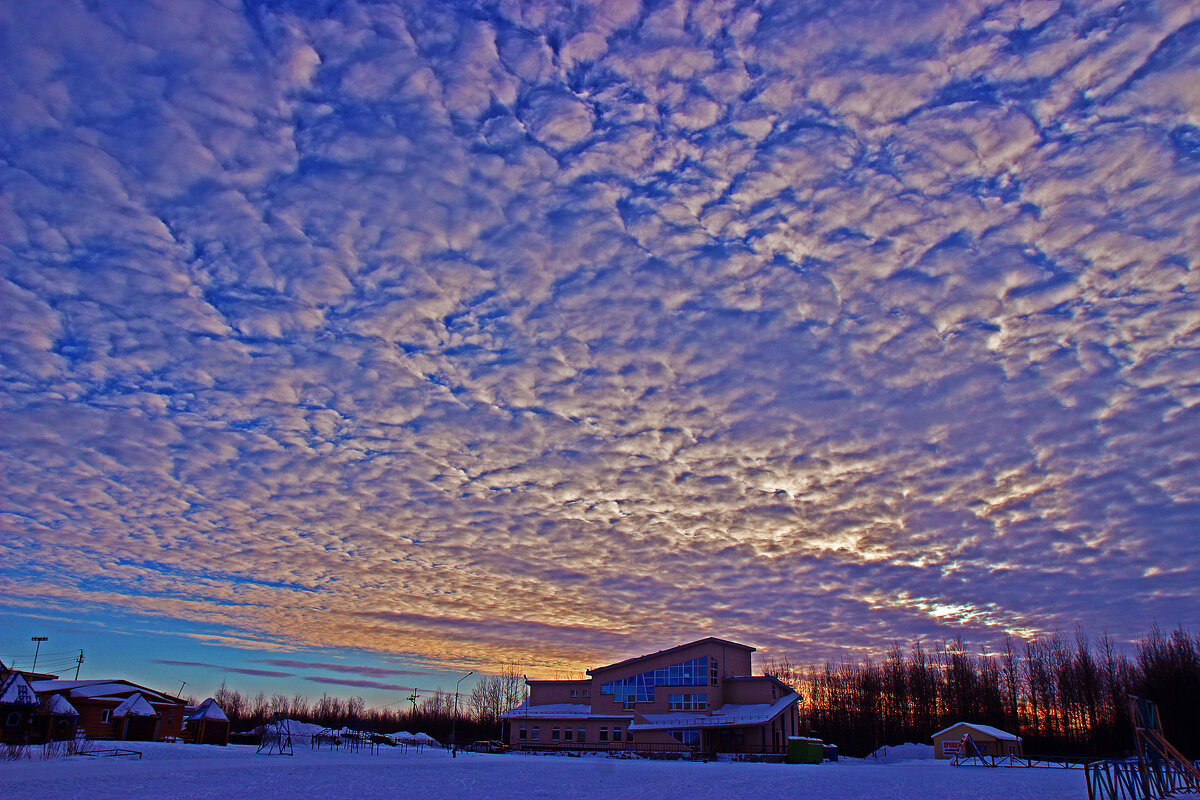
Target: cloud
<point>363,684</point>
<point>258,673</point>
<point>484,335</point>
<point>373,672</point>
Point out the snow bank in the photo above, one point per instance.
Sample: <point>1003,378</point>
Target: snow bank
<point>205,772</point>
<point>901,752</point>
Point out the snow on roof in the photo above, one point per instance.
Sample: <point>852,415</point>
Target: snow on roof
<point>134,706</point>
<point>558,711</point>
<point>987,730</point>
<point>424,737</point>
<point>208,710</point>
<point>58,706</point>
<point>106,687</point>
<point>725,716</point>
<point>16,691</point>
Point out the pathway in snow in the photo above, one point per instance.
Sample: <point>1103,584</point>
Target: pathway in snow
<point>183,772</point>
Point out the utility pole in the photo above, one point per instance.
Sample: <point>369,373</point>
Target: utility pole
<point>179,694</point>
<point>78,663</point>
<point>38,647</point>
<point>454,719</point>
<point>412,698</point>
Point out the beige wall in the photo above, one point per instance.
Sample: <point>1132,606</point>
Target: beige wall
<point>546,692</point>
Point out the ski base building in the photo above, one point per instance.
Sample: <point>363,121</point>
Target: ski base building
<point>697,698</point>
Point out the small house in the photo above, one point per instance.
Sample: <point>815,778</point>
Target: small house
<point>953,741</point>
<point>56,720</point>
<point>135,720</point>
<point>17,706</point>
<point>207,724</point>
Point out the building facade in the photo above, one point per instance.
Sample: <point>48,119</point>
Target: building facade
<point>698,697</point>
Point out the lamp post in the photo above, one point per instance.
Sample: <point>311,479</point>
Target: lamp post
<point>454,719</point>
<point>37,647</point>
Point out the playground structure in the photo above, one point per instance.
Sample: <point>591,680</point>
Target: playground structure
<point>277,737</point>
<point>1160,771</point>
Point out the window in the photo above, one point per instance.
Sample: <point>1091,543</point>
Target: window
<point>106,715</point>
<point>535,733</point>
<point>581,734</point>
<point>587,692</point>
<point>687,702</point>
<point>554,734</point>
<point>567,734</point>
<point>640,688</point>
<point>713,672</point>
<point>604,734</point>
<point>629,736</point>
<point>14,718</point>
<point>574,693</point>
<point>521,734</point>
<point>616,734</point>
<point>688,736</point>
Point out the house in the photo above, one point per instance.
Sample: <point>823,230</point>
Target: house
<point>56,720</point>
<point>207,724</point>
<point>118,709</point>
<point>697,697</point>
<point>952,741</point>
<point>17,706</point>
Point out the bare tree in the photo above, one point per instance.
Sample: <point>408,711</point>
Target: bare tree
<point>496,694</point>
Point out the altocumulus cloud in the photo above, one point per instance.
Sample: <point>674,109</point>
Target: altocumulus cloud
<point>538,332</point>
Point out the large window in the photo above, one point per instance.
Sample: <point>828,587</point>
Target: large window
<point>687,702</point>
<point>689,736</point>
<point>640,688</point>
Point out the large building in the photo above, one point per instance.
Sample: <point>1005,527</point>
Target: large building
<point>119,709</point>
<point>697,697</point>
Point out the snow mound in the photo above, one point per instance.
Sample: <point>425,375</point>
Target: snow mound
<point>901,752</point>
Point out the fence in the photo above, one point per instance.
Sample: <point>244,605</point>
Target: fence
<point>1129,780</point>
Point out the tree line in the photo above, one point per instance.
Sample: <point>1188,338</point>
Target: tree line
<point>1065,696</point>
<point>477,717</point>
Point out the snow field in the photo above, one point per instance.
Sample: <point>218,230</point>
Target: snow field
<point>184,772</point>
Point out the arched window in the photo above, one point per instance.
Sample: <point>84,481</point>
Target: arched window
<point>14,718</point>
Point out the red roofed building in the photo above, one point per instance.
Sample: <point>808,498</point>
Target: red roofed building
<point>698,697</point>
<point>118,709</point>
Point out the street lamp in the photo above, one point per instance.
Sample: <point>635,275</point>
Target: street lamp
<point>454,719</point>
<point>37,647</point>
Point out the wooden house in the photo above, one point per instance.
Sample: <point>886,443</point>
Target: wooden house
<point>953,741</point>
<point>207,724</point>
<point>56,720</point>
<point>107,709</point>
<point>18,702</point>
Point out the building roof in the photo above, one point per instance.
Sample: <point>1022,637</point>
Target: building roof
<point>706,640</point>
<point>16,691</point>
<point>727,716</point>
<point>100,689</point>
<point>58,706</point>
<point>987,730</point>
<point>559,711</point>
<point>134,706</point>
<point>207,710</point>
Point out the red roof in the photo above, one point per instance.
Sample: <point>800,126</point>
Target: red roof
<point>706,640</point>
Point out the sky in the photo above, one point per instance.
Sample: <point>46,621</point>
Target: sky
<point>386,341</point>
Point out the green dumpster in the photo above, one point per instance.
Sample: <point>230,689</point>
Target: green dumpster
<point>803,750</point>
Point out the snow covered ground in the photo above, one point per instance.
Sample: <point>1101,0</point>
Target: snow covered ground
<point>181,772</point>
